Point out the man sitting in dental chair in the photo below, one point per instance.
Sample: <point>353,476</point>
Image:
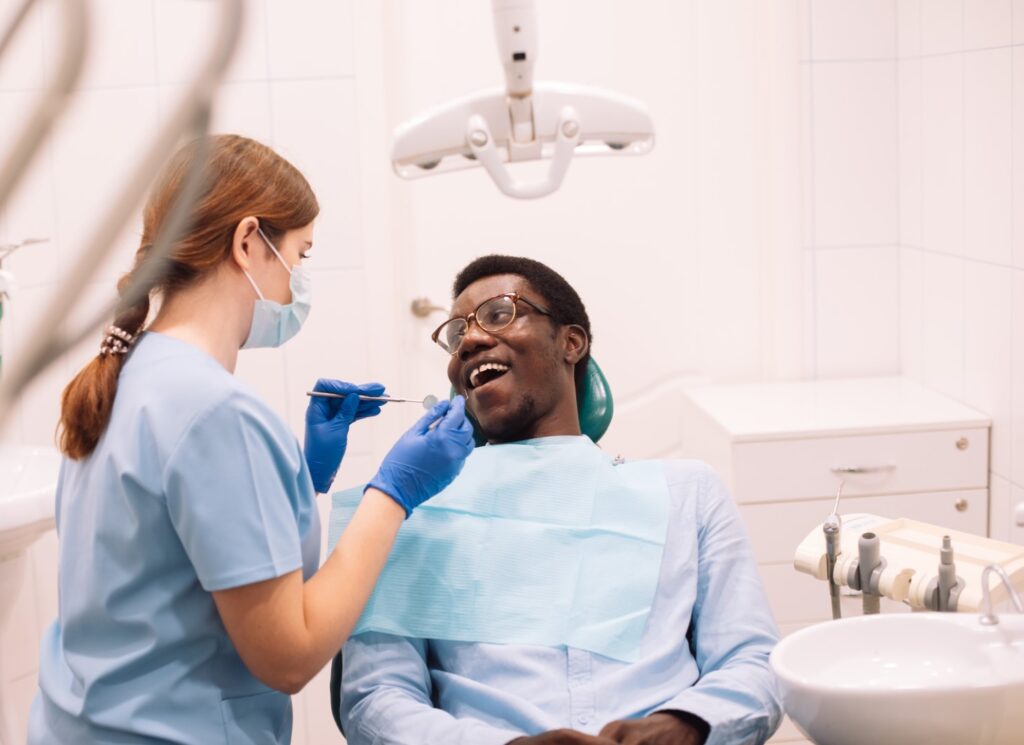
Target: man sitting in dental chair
<point>551,595</point>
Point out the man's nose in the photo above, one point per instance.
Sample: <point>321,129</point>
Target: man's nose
<point>475,339</point>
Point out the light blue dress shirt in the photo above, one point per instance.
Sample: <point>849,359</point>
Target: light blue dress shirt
<point>195,486</point>
<point>705,651</point>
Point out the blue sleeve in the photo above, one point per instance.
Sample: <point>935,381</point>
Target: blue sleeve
<point>386,698</point>
<point>733,632</point>
<point>232,486</point>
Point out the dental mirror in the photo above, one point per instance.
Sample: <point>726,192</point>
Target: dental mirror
<point>427,402</point>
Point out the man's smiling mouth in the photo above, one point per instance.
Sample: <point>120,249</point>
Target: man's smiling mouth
<point>484,373</point>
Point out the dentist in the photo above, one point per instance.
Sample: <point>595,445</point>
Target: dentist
<point>186,509</point>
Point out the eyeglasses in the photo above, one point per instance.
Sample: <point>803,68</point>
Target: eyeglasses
<point>491,315</point>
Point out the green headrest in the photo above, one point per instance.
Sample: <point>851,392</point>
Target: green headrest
<point>594,404</point>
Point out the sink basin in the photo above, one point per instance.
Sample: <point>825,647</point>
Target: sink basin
<point>937,678</point>
<point>28,482</point>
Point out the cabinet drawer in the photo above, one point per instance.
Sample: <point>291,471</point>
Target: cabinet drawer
<point>776,529</point>
<point>906,462</point>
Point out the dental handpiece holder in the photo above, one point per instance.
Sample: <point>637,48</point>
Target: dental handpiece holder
<point>910,562</point>
<point>865,572</point>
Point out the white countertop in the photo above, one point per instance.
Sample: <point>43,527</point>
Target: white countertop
<point>787,410</point>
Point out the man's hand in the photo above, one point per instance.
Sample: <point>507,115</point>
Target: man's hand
<point>562,737</point>
<point>660,728</point>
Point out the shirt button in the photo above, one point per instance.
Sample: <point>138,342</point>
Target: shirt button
<point>582,719</point>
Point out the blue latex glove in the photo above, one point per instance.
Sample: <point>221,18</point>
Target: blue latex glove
<point>425,460</point>
<point>327,423</point>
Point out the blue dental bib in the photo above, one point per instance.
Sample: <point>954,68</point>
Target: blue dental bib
<point>541,542</point>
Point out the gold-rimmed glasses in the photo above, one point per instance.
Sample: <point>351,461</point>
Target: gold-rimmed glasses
<point>492,315</point>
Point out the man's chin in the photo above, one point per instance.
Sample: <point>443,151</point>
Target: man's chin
<point>507,424</point>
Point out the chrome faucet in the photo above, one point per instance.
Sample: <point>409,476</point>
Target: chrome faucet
<point>988,618</point>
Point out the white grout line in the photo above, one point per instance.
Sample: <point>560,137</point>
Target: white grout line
<point>813,201</point>
<point>963,202</point>
<point>1014,320</point>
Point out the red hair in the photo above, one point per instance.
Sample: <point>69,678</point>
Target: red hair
<point>243,177</point>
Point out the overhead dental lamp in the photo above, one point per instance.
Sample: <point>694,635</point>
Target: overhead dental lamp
<point>522,122</point>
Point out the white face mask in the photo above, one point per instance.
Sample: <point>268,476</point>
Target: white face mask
<point>272,323</point>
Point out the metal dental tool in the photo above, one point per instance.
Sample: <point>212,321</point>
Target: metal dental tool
<point>427,402</point>
<point>832,528</point>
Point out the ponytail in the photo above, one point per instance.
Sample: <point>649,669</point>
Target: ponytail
<point>89,398</point>
<point>244,177</point>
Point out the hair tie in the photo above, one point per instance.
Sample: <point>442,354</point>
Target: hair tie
<point>116,341</point>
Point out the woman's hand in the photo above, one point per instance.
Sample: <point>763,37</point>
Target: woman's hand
<point>427,458</point>
<point>327,423</point>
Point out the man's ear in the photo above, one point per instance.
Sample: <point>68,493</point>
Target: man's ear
<point>576,343</point>
<point>244,241</point>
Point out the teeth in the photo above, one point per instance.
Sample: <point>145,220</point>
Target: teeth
<point>497,366</point>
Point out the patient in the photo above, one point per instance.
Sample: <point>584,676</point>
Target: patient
<point>701,673</point>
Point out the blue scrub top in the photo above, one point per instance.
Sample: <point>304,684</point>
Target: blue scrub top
<point>195,486</point>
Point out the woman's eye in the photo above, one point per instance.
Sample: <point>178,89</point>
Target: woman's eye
<point>304,255</point>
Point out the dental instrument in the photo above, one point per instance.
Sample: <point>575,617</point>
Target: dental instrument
<point>49,338</point>
<point>906,559</point>
<point>832,529</point>
<point>428,401</point>
<point>521,122</point>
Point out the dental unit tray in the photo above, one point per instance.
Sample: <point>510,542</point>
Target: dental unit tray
<point>911,551</point>
<point>522,121</point>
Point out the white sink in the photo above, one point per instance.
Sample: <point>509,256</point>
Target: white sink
<point>936,678</point>
<point>28,482</point>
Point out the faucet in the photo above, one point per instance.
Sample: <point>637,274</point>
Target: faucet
<point>988,618</point>
<point>7,281</point>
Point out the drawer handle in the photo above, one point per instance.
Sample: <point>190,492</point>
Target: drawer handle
<point>846,470</point>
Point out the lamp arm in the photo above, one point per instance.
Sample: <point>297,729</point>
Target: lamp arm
<point>515,26</point>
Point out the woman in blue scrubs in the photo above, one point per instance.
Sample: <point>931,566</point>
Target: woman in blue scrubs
<point>189,536</point>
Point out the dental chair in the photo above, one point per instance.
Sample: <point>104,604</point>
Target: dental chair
<point>595,408</point>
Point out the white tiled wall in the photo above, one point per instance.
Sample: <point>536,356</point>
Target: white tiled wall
<point>914,217</point>
<point>961,132</point>
<point>851,155</point>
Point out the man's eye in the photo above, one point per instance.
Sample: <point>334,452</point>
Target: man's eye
<point>497,316</point>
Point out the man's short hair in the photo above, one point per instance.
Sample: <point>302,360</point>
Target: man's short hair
<point>558,296</point>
